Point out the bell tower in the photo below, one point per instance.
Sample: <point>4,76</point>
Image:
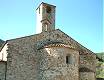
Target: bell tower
<point>45,18</point>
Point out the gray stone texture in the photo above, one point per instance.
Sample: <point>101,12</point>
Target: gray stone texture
<point>36,58</point>
<point>2,70</point>
<point>87,76</point>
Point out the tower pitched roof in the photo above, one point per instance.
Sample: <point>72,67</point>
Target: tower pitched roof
<point>45,4</point>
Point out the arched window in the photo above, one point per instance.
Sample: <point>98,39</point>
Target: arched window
<point>46,26</point>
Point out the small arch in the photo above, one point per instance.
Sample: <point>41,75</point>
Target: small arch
<point>46,26</point>
<point>48,9</point>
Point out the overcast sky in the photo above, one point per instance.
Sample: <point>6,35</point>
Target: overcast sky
<point>80,19</point>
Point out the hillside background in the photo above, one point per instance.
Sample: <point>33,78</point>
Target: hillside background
<point>1,42</point>
<point>100,65</point>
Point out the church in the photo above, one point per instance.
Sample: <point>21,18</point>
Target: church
<point>50,54</point>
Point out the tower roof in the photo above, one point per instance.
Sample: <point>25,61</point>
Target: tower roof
<point>45,4</point>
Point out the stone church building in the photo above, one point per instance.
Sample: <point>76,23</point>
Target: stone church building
<point>48,55</point>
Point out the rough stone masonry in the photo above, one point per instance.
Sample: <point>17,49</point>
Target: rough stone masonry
<point>49,55</point>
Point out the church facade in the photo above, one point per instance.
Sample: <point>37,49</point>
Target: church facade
<point>48,55</point>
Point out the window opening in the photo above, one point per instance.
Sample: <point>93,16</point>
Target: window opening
<point>48,9</point>
<point>46,27</point>
<point>68,59</point>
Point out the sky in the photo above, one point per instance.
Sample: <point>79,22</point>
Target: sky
<point>80,19</point>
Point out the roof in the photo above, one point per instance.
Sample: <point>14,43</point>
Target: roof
<point>52,43</point>
<point>45,4</point>
<point>79,46</point>
<point>3,45</point>
<point>48,41</point>
<point>59,45</point>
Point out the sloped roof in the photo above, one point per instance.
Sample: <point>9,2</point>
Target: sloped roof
<point>80,47</point>
<point>1,42</point>
<point>52,43</point>
<point>43,35</point>
<point>45,4</point>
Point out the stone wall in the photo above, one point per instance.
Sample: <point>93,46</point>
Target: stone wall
<point>2,70</point>
<point>53,66</point>
<point>22,60</point>
<point>88,61</point>
<point>87,76</point>
<point>87,66</point>
<point>25,61</point>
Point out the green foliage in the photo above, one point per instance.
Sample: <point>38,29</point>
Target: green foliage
<point>100,65</point>
<point>100,56</point>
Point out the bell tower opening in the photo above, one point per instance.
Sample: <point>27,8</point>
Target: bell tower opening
<point>48,9</point>
<point>45,18</point>
<point>45,27</point>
